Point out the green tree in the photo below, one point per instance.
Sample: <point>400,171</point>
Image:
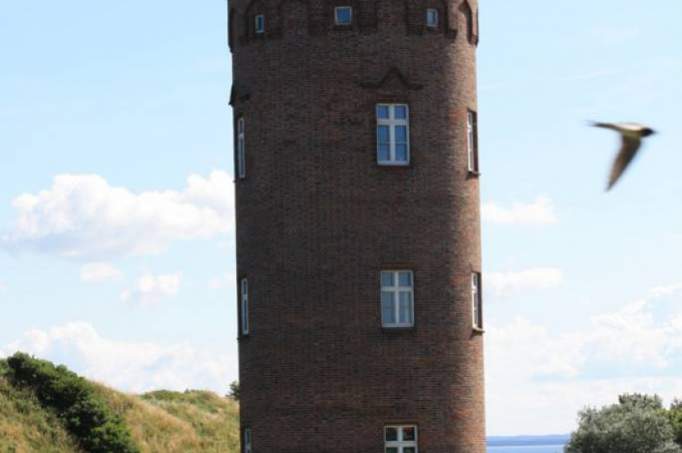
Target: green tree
<point>637,424</point>
<point>234,390</point>
<point>675,416</point>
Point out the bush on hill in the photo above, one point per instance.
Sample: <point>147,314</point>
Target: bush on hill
<point>86,416</point>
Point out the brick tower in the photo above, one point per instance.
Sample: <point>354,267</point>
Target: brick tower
<point>358,225</point>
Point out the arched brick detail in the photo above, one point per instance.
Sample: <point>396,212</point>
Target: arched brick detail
<point>253,9</point>
<point>468,13</point>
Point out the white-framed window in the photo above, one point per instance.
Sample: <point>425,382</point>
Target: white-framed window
<point>476,300</point>
<point>393,134</point>
<point>432,17</point>
<point>244,296</point>
<point>247,441</point>
<point>259,23</point>
<point>397,298</point>
<point>343,15</point>
<point>400,439</point>
<point>472,140</point>
<point>241,149</point>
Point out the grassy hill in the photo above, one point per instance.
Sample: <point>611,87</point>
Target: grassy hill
<point>162,421</point>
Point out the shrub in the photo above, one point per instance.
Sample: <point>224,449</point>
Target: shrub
<point>93,424</point>
<point>675,416</point>
<point>234,390</point>
<point>637,424</point>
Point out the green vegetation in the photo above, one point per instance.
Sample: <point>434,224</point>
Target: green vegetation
<point>82,411</point>
<point>234,390</point>
<point>25,426</point>
<point>50,409</point>
<point>637,424</point>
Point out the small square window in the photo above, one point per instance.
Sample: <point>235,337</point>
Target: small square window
<point>432,18</point>
<point>260,23</point>
<point>400,439</point>
<point>397,302</point>
<point>343,15</point>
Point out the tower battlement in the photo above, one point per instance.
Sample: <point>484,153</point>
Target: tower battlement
<point>316,18</point>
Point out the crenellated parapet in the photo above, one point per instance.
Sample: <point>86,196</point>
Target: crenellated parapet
<point>254,21</point>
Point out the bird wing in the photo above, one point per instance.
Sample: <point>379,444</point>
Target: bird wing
<point>627,152</point>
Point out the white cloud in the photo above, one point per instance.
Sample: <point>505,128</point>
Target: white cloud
<point>544,376</point>
<point>83,216</point>
<point>538,212</point>
<point>151,289</point>
<point>99,272</point>
<point>130,366</point>
<point>507,283</point>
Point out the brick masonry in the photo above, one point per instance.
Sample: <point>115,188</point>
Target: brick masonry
<point>318,219</point>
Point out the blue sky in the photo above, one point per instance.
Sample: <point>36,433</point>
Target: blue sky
<point>114,124</point>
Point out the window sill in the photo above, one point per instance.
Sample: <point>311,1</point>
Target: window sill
<point>474,173</point>
<point>397,328</point>
<point>394,164</point>
<point>478,330</point>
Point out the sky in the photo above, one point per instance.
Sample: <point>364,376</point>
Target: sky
<point>117,214</point>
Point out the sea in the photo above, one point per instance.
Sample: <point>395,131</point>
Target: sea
<point>528,444</point>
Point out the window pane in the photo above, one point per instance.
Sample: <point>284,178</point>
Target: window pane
<point>409,450</point>
<point>383,134</point>
<point>384,153</point>
<point>387,279</point>
<point>391,449</point>
<point>401,134</point>
<point>405,278</point>
<point>391,434</point>
<point>405,308</point>
<point>401,152</point>
<point>409,433</point>
<point>343,15</point>
<point>382,111</point>
<point>387,308</point>
<point>400,112</point>
<point>432,17</point>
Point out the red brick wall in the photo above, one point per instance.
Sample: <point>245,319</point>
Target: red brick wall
<point>318,219</point>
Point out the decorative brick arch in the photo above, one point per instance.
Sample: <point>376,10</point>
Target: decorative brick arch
<point>469,21</point>
<point>255,7</point>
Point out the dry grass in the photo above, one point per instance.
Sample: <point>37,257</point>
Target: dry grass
<point>26,427</point>
<point>160,422</point>
<point>193,421</point>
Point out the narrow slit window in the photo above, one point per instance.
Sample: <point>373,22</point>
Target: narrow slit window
<point>241,149</point>
<point>476,300</point>
<point>432,18</point>
<point>472,141</point>
<point>247,441</point>
<point>400,439</point>
<point>244,290</point>
<point>393,134</point>
<point>343,15</point>
<point>260,24</point>
<point>397,301</point>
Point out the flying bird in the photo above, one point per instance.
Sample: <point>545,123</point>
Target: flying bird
<point>631,135</point>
